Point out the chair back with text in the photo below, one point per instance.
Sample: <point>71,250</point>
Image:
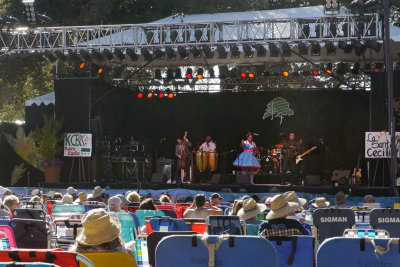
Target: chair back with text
<point>332,222</point>
<point>345,251</point>
<point>28,214</point>
<point>168,224</point>
<point>386,219</point>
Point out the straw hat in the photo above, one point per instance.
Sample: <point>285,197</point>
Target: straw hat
<point>71,191</point>
<point>98,228</point>
<point>291,196</point>
<point>320,203</point>
<point>250,209</point>
<point>280,207</point>
<point>67,199</point>
<point>97,191</point>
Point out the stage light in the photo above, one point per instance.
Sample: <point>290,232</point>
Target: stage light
<point>207,51</point>
<point>132,54</point>
<point>119,54</point>
<point>183,53</point>
<point>161,95</point>
<point>266,74</point>
<point>146,54</point>
<point>195,52</point>
<point>211,73</point>
<point>329,68</point>
<point>100,70</point>
<point>330,48</point>
<point>189,73</point>
<point>150,94</point>
<point>286,52</point>
<point>159,53</point>
<point>157,74</point>
<point>198,34</point>
<point>373,44</point>
<point>235,73</point>
<point>235,52</point>
<point>82,65</point>
<point>223,72</point>
<point>305,31</point>
<point>356,68</point>
<point>315,72</point>
<point>107,54</point>
<point>248,52</point>
<point>273,50</point>
<point>367,68</point>
<point>32,16</point>
<point>251,75</point>
<point>221,52</point>
<point>170,74</point>
<point>171,55</point>
<point>174,36</point>
<point>303,49</point>
<point>261,51</point>
<point>200,73</point>
<point>7,19</point>
<point>378,67</point>
<point>171,95</point>
<point>333,29</point>
<point>328,72</point>
<point>315,49</point>
<point>331,5</point>
<point>178,73</point>
<point>85,55</point>
<point>342,44</point>
<point>285,73</point>
<point>359,48</point>
<point>348,48</point>
<point>150,37</point>
<point>243,74</point>
<point>140,95</point>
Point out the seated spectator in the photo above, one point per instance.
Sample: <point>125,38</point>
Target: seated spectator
<point>124,201</point>
<point>256,198</point>
<point>291,196</point>
<point>72,191</point>
<point>201,209</point>
<point>237,205</point>
<point>147,204</point>
<point>36,192</point>
<point>133,197</point>
<point>249,213</point>
<point>369,199</point>
<point>98,195</point>
<point>35,199</point>
<point>57,196</point>
<point>82,197</point>
<point>114,205</point>
<point>8,192</point>
<point>188,199</point>
<point>215,199</point>
<point>341,200</point>
<point>320,203</point>
<point>67,199</point>
<point>11,202</point>
<point>100,233</point>
<point>164,198</point>
<point>277,220</point>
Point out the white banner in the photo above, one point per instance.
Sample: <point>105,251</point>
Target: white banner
<point>377,145</point>
<point>77,145</point>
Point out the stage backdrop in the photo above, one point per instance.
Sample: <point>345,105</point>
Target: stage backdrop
<point>340,118</point>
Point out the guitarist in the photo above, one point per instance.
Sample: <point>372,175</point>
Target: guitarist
<point>291,149</point>
<point>183,144</point>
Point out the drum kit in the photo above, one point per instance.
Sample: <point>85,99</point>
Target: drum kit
<point>206,160</point>
<point>270,159</point>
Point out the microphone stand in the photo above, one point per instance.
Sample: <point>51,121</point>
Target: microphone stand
<point>327,150</point>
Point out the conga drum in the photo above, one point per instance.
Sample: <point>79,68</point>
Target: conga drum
<point>201,160</point>
<point>212,160</point>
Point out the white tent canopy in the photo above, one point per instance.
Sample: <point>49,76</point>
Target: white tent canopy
<point>46,99</point>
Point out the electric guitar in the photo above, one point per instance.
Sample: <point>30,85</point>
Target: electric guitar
<point>300,157</point>
<point>357,172</point>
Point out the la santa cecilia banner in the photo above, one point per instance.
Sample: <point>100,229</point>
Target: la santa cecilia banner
<point>77,145</point>
<point>377,145</point>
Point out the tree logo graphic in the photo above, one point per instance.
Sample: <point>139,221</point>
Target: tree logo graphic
<point>278,108</point>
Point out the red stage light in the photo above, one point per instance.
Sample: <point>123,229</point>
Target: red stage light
<point>199,76</point>
<point>149,95</point>
<point>251,75</point>
<point>243,75</point>
<point>315,72</point>
<point>140,95</point>
<point>285,73</point>
<point>82,65</point>
<point>377,70</point>
<point>100,70</point>
<point>189,76</point>
<point>328,71</point>
<point>170,95</point>
<point>161,95</point>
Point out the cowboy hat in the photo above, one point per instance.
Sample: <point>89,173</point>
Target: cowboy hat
<point>97,191</point>
<point>98,228</point>
<point>291,196</point>
<point>250,209</point>
<point>280,207</point>
<point>320,202</point>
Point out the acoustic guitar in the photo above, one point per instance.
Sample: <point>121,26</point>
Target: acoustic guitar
<point>300,157</point>
<point>357,172</point>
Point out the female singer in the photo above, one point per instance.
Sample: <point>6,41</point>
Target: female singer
<point>246,160</point>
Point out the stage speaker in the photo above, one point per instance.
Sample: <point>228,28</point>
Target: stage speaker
<point>157,178</point>
<point>339,176</point>
<point>242,179</point>
<point>313,180</point>
<point>216,179</point>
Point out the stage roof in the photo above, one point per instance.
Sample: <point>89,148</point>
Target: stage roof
<point>46,99</point>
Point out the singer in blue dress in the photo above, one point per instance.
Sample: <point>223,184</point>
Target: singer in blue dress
<point>246,160</point>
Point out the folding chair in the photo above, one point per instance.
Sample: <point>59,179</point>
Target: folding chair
<point>224,225</point>
<point>27,264</point>
<point>67,209</point>
<point>386,219</point>
<point>127,226</point>
<point>29,214</point>
<point>9,235</point>
<point>30,233</point>
<point>90,205</point>
<point>332,222</point>
<point>65,232</point>
<point>141,214</point>
<point>182,250</point>
<point>170,213</point>
<point>4,214</point>
<point>196,225</point>
<point>345,251</point>
<point>168,224</point>
<point>107,259</point>
<point>133,207</point>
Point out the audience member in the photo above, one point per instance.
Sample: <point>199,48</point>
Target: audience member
<point>201,209</point>
<point>320,203</point>
<point>164,199</point>
<point>249,213</point>
<point>36,192</point>
<point>147,204</point>
<point>215,199</point>
<point>133,197</point>
<point>237,205</point>
<point>291,196</point>
<point>369,199</point>
<point>189,199</point>
<point>341,200</point>
<point>98,195</point>
<point>57,195</point>
<point>8,192</point>
<point>124,201</point>
<point>67,199</point>
<point>280,208</point>
<point>72,191</point>
<point>11,202</point>
<point>100,233</point>
<point>114,205</point>
<point>82,197</point>
<point>256,198</point>
<point>36,199</point>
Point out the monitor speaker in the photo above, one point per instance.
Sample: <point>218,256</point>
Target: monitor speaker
<point>157,178</point>
<point>313,180</point>
<point>242,179</point>
<point>216,179</point>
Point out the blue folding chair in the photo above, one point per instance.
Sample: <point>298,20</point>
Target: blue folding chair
<point>345,251</point>
<point>187,251</point>
<point>222,225</point>
<point>68,208</point>
<point>332,222</point>
<point>127,226</point>
<point>141,214</point>
<point>90,206</point>
<point>294,250</point>
<point>386,219</point>
<point>168,224</point>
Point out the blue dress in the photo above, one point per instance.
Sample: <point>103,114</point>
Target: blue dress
<point>247,159</point>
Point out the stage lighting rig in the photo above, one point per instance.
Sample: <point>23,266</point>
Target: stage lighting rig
<point>248,52</point>
<point>286,52</point>
<point>119,54</point>
<point>261,51</point>
<point>32,16</point>
<point>207,51</point>
<point>183,53</point>
<point>235,52</point>
<point>221,52</point>
<point>195,52</point>
<point>132,54</point>
<point>315,49</point>
<point>273,50</point>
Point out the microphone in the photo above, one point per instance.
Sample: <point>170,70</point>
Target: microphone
<point>321,140</point>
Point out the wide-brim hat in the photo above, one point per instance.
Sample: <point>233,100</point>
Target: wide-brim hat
<point>97,191</point>
<point>98,228</point>
<point>123,199</point>
<point>36,192</point>
<point>250,209</point>
<point>280,207</point>
<point>2,190</point>
<point>321,202</point>
<point>71,190</point>
<point>291,196</point>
